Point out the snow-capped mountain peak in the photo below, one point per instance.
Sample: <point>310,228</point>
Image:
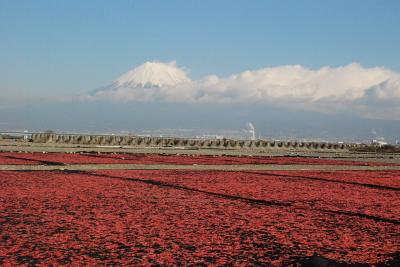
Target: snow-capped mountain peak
<point>152,74</point>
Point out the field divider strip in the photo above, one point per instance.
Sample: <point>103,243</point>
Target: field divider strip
<point>234,167</point>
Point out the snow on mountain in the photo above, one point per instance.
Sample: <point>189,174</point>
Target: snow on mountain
<point>152,74</point>
<point>147,82</point>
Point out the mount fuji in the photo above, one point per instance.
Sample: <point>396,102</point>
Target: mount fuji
<point>138,82</point>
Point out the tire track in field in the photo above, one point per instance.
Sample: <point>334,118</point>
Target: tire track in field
<point>381,187</point>
<point>45,162</point>
<point>185,188</point>
<point>239,198</point>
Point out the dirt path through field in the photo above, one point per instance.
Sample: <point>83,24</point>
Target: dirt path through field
<point>242,167</point>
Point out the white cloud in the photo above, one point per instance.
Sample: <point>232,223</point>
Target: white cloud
<point>367,91</point>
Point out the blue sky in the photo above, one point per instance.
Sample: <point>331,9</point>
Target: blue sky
<point>50,46</point>
<point>57,50</point>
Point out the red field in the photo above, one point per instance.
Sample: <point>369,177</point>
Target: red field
<point>201,218</point>
<point>91,158</point>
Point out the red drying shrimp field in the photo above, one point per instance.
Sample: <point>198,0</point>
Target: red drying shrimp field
<point>94,158</point>
<point>197,218</point>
